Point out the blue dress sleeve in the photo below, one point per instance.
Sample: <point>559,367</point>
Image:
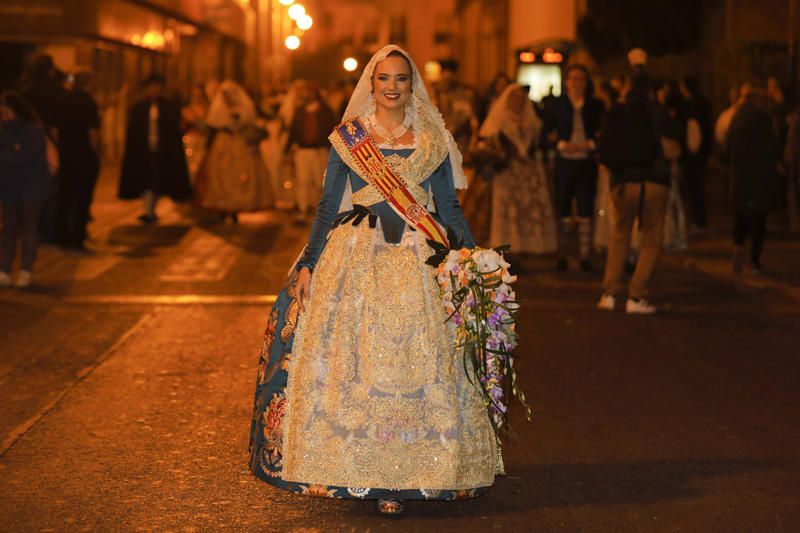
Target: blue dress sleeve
<point>447,206</point>
<point>336,176</point>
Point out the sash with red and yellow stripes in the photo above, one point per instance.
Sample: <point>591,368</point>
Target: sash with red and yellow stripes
<point>380,175</point>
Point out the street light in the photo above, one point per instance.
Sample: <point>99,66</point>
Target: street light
<point>350,64</point>
<point>305,22</point>
<point>292,42</point>
<point>296,11</point>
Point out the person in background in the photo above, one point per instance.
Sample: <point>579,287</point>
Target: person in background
<point>546,102</point>
<point>571,125</point>
<point>632,146</point>
<point>308,141</point>
<point>41,89</point>
<point>736,97</point>
<point>696,114</point>
<point>25,183</point>
<point>754,155</point>
<point>458,105</point>
<point>521,209</point>
<point>78,125</point>
<point>195,139</point>
<point>154,163</point>
<point>496,88</point>
<point>234,177</point>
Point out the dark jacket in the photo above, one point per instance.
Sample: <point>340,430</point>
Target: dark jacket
<point>324,120</point>
<point>43,96</point>
<point>646,123</point>
<point>558,118</point>
<point>165,171</point>
<point>753,155</point>
<point>24,175</point>
<point>77,115</point>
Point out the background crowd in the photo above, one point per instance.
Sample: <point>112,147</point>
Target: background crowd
<point>616,163</point>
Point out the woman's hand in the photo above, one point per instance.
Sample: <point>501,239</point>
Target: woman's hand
<point>302,287</point>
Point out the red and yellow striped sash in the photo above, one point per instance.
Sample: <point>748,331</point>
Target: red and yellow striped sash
<point>380,175</point>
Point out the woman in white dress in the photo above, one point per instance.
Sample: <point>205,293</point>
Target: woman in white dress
<point>522,210</point>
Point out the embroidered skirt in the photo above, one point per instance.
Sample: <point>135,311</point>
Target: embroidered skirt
<point>364,395</point>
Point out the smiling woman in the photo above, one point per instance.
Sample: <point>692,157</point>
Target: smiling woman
<point>359,392</point>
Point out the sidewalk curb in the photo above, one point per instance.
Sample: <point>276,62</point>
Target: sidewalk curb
<point>20,431</point>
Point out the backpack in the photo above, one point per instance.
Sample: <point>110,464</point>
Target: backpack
<point>628,139</point>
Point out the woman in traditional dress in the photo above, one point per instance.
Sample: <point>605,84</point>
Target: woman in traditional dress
<point>233,178</point>
<point>196,136</point>
<point>522,211</point>
<point>361,392</point>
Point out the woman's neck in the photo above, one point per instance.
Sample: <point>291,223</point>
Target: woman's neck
<point>390,118</point>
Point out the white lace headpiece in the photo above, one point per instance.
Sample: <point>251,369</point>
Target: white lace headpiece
<point>230,99</point>
<point>362,104</point>
<point>520,128</point>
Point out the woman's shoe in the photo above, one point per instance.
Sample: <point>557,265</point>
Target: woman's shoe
<point>390,506</point>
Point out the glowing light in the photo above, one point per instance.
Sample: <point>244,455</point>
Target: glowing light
<point>151,39</point>
<point>551,56</point>
<point>287,185</point>
<point>527,57</point>
<point>433,70</point>
<point>305,22</point>
<point>296,11</point>
<point>286,2</point>
<point>350,64</point>
<point>292,42</point>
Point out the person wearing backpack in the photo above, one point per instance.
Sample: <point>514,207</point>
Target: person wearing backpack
<point>631,147</point>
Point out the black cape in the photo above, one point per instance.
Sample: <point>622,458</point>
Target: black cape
<point>166,174</point>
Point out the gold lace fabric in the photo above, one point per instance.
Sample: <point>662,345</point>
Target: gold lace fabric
<point>431,151</point>
<point>377,394</point>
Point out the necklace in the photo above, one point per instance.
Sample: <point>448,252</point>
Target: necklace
<point>390,137</point>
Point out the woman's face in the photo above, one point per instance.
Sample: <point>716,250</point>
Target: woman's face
<point>516,101</point>
<point>391,83</point>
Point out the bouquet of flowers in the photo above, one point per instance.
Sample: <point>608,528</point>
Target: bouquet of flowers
<point>476,291</point>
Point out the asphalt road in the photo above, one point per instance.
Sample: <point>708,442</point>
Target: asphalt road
<point>126,383</point>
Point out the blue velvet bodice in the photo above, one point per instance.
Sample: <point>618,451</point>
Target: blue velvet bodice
<point>440,183</point>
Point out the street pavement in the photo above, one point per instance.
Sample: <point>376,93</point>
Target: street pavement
<point>126,382</point>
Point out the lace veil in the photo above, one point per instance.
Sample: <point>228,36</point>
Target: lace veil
<point>520,129</point>
<point>230,98</point>
<point>362,103</point>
